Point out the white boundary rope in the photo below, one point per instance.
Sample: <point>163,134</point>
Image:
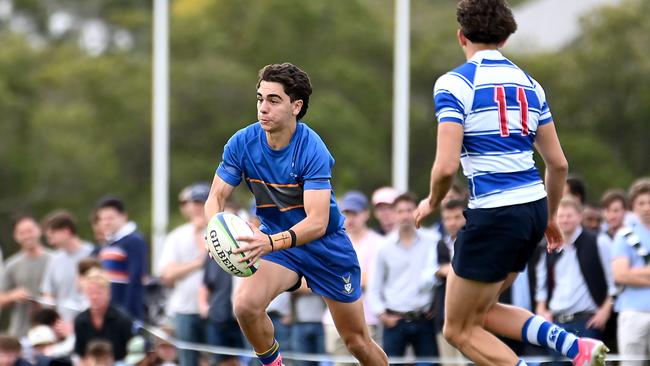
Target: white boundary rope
<point>240,352</point>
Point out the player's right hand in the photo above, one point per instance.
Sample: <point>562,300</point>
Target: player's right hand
<point>553,236</point>
<point>424,209</point>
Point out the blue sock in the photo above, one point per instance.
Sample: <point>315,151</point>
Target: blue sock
<point>271,356</point>
<point>540,332</point>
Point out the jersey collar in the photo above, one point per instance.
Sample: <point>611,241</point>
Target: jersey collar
<point>487,54</point>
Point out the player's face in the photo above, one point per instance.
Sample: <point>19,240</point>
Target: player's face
<point>614,214</point>
<point>568,218</point>
<point>453,220</point>
<point>641,207</point>
<point>275,110</point>
<point>27,233</point>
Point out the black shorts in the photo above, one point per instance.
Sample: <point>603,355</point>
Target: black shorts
<point>497,241</point>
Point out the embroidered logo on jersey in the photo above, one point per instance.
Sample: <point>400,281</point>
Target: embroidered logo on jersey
<point>347,285</point>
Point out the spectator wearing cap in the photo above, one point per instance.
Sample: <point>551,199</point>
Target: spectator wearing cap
<point>384,211</point>
<point>355,208</point>
<point>139,352</point>
<point>181,268</point>
<point>124,257</point>
<point>63,330</point>
<point>60,281</point>
<point>40,338</point>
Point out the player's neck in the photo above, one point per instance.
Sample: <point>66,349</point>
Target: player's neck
<point>282,137</point>
<point>472,48</point>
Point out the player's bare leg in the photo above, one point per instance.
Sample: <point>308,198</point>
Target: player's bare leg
<point>464,320</point>
<point>351,325</point>
<point>507,320</point>
<point>252,297</point>
<point>513,322</point>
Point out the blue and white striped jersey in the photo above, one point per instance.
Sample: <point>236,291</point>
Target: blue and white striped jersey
<point>500,107</point>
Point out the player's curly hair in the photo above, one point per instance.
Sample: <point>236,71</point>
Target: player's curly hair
<point>485,21</point>
<point>295,81</point>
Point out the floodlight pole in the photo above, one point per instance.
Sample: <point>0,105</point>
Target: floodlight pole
<point>401,96</point>
<point>160,129</point>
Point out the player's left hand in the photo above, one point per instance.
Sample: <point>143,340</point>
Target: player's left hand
<point>424,209</point>
<point>255,248</point>
<point>599,320</point>
<point>553,236</point>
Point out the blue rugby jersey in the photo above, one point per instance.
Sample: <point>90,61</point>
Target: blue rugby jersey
<point>500,108</point>
<point>278,178</point>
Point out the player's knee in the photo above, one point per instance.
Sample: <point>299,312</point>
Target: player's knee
<point>244,308</point>
<point>356,343</point>
<point>455,335</point>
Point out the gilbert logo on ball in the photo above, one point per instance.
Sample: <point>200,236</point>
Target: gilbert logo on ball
<point>222,230</point>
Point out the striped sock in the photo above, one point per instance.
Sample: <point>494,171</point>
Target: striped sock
<point>539,332</point>
<point>522,363</point>
<point>271,357</point>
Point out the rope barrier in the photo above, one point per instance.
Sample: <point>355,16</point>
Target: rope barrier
<point>297,356</point>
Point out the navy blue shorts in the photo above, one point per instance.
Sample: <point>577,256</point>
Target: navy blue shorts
<point>329,265</point>
<point>497,241</point>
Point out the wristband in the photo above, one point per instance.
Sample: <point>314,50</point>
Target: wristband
<point>270,242</point>
<point>293,238</point>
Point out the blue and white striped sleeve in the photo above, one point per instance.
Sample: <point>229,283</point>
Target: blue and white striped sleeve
<point>448,96</point>
<point>545,113</point>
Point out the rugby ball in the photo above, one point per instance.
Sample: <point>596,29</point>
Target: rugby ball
<point>222,230</point>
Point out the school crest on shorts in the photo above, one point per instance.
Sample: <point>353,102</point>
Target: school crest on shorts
<point>347,283</point>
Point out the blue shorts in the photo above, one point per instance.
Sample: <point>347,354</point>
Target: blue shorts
<point>329,265</point>
<point>497,241</point>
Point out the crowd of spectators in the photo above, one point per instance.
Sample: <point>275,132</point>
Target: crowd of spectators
<point>70,301</point>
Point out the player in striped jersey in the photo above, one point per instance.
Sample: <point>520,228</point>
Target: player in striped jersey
<point>491,114</point>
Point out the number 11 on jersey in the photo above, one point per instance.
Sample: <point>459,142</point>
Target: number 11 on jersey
<point>502,108</point>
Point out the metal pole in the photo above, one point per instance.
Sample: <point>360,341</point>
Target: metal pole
<point>401,96</point>
<point>160,128</point>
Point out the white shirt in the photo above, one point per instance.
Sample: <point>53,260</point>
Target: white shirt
<point>396,282</point>
<point>571,294</point>
<point>180,247</point>
<point>60,281</point>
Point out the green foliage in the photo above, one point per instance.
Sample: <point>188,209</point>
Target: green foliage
<point>76,127</point>
<point>599,92</point>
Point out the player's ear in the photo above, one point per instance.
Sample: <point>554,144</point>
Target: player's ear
<point>297,106</point>
<point>462,40</point>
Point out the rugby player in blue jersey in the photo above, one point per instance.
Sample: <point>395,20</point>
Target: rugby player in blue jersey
<point>288,168</point>
<point>491,115</point>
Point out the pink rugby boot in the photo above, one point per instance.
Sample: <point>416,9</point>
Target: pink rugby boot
<point>591,352</point>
